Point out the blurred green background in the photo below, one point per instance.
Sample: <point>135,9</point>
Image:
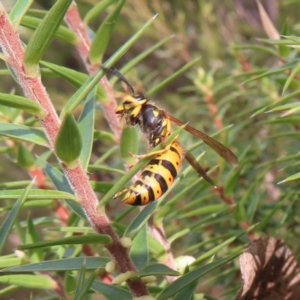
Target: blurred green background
<point>232,45</point>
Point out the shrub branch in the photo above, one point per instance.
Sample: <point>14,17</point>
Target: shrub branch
<point>34,89</point>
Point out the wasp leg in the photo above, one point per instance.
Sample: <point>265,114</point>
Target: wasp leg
<point>121,193</point>
<point>156,153</point>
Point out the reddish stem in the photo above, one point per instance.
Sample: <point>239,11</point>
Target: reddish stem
<point>34,89</point>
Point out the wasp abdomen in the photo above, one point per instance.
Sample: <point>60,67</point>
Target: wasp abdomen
<point>156,178</point>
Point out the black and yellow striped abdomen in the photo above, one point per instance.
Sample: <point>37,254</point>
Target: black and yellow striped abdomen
<point>157,177</point>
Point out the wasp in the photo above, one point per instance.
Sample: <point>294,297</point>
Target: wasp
<point>162,170</point>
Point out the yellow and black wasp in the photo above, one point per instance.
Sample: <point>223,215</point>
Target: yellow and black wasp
<point>162,170</point>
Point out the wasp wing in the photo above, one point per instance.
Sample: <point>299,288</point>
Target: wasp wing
<point>222,150</point>
<point>193,162</point>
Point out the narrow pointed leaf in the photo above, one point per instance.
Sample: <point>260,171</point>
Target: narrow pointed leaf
<point>190,277</point>
<point>74,77</point>
<point>294,72</point>
<point>157,269</point>
<point>268,26</point>
<point>276,70</point>
<point>62,32</point>
<point>291,111</point>
<point>61,183</point>
<point>18,11</point>
<point>63,264</point>
<point>134,61</point>
<point>36,255</point>
<point>141,219</point>
<point>97,10</point>
<point>24,133</point>
<point>123,49</point>
<point>290,178</point>
<point>284,107</point>
<point>25,158</point>
<point>36,194</point>
<point>82,292</point>
<point>284,51</point>
<point>84,91</point>
<point>72,240</point>
<point>188,292</point>
<point>30,281</point>
<point>43,35</point>
<point>86,128</point>
<point>103,34</point>
<point>80,281</point>
<point>129,143</point>
<point>11,218</point>
<point>139,251</point>
<point>110,291</point>
<point>163,84</point>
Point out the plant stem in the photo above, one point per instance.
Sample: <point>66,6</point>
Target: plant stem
<point>34,89</point>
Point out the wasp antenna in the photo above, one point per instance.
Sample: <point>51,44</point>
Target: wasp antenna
<point>121,77</point>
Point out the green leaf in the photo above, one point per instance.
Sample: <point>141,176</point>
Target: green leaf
<point>35,255</point>
<point>111,292</point>
<point>63,264</point>
<point>139,221</point>
<point>188,292</point>
<point>129,143</point>
<point>291,111</point>
<point>157,269</point>
<point>18,11</point>
<point>80,282</point>
<point>220,246</point>
<point>25,158</point>
<point>83,92</point>
<point>62,184</point>
<point>157,249</point>
<point>70,283</point>
<point>101,187</point>
<point>102,36</point>
<point>8,223</point>
<point>68,143</point>
<point>43,35</point>
<point>22,103</point>
<point>240,213</point>
<point>134,61</point>
<point>74,77</point>
<point>36,194</point>
<point>72,240</point>
<point>284,107</point>
<point>167,81</point>
<point>208,209</point>
<point>104,135</point>
<point>283,50</point>
<point>86,128</point>
<point>123,49</point>
<point>186,279</point>
<point>24,133</point>
<point>276,70</point>
<point>30,281</point>
<point>278,205</point>
<point>83,290</point>
<point>62,32</point>
<point>290,178</point>
<point>95,11</point>
<point>139,252</point>
<point>294,72</point>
